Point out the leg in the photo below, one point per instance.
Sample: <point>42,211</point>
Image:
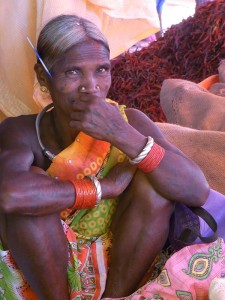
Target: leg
<point>39,247</point>
<point>140,231</point>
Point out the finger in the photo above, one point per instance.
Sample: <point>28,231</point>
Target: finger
<point>37,170</point>
<point>126,167</point>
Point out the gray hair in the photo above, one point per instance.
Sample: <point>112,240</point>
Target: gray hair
<point>63,32</point>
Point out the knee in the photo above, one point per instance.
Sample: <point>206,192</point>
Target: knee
<point>19,222</point>
<point>146,199</point>
<point>30,226</point>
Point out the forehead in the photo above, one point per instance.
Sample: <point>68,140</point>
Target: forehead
<point>85,51</point>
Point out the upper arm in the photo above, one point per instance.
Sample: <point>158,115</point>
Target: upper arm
<point>15,152</point>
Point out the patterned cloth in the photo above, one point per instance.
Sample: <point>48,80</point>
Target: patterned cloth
<point>186,275</point>
<point>87,230</point>
<point>87,260</point>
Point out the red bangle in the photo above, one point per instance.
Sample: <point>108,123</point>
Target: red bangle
<point>85,194</point>
<point>151,161</point>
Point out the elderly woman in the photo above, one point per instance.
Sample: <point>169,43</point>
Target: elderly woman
<point>64,167</point>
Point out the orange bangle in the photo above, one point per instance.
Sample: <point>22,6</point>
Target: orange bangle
<point>151,161</point>
<point>85,194</point>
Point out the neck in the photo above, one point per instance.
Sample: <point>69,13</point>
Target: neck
<point>64,134</point>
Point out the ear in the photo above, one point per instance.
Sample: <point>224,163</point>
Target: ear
<point>41,75</point>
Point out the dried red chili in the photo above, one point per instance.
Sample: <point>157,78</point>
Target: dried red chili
<point>190,50</point>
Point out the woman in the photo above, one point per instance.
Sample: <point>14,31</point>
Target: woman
<point>84,134</point>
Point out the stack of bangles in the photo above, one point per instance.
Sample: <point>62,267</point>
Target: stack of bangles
<point>150,156</point>
<point>88,192</point>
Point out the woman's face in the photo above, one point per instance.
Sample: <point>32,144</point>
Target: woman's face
<point>84,68</point>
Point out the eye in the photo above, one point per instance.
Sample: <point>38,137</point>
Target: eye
<point>103,69</point>
<point>72,73</point>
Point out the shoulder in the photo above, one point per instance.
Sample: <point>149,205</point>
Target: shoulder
<point>17,144</point>
<point>17,130</point>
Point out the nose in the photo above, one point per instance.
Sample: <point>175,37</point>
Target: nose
<point>84,89</point>
<point>89,86</point>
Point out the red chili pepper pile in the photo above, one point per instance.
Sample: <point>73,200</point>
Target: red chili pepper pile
<point>190,50</point>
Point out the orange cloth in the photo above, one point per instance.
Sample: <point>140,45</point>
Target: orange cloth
<point>83,157</point>
<point>209,81</point>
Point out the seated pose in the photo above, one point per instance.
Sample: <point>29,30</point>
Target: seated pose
<point>64,232</point>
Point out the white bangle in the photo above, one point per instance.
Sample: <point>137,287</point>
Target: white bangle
<point>144,152</point>
<point>97,186</point>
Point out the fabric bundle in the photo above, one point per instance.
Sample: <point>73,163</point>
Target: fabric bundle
<point>197,124</point>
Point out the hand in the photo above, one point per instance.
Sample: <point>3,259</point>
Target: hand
<point>117,180</point>
<point>37,170</point>
<point>97,118</point>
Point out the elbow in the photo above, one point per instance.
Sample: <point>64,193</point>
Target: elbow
<point>199,188</point>
<point>195,192</point>
<point>201,194</point>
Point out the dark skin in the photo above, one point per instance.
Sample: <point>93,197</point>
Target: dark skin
<point>30,201</point>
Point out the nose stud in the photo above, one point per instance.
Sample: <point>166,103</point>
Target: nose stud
<point>83,88</point>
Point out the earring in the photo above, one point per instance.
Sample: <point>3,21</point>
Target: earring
<point>97,87</point>
<point>43,89</point>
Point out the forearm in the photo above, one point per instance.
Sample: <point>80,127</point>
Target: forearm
<point>129,140</point>
<point>35,194</point>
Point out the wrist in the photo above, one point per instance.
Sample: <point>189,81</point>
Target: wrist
<point>71,195</point>
<point>87,193</point>
<point>150,156</point>
<point>130,141</point>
